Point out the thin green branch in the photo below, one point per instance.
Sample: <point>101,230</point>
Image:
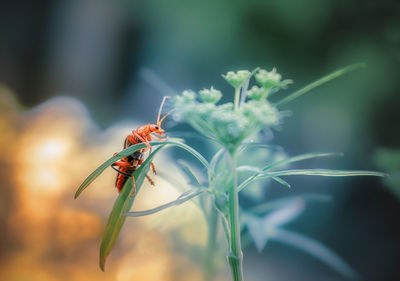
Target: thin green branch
<point>237,98</point>
<point>319,82</point>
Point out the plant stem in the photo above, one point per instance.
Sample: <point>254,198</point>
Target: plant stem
<point>237,98</point>
<point>209,262</point>
<point>235,257</point>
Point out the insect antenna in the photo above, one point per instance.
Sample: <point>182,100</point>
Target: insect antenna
<point>159,112</point>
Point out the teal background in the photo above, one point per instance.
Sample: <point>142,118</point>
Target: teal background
<point>119,58</point>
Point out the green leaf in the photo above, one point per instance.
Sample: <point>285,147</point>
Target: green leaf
<point>176,202</point>
<point>124,201</point>
<point>320,82</point>
<point>316,249</point>
<point>299,158</point>
<point>285,162</point>
<point>281,181</point>
<point>323,172</point>
<point>109,162</point>
<point>190,150</point>
<point>123,204</point>
<point>310,172</point>
<point>250,145</point>
<point>188,171</point>
<point>187,192</point>
<point>129,151</point>
<point>268,206</point>
<point>213,164</point>
<point>246,168</point>
<point>257,231</point>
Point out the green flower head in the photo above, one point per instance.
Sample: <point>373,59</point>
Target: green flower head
<point>237,79</point>
<point>257,93</point>
<point>268,79</point>
<point>189,95</point>
<point>210,95</point>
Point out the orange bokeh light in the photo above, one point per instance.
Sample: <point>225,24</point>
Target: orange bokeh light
<point>57,238</point>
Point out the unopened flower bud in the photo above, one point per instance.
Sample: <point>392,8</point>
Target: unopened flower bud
<point>237,79</point>
<point>210,95</point>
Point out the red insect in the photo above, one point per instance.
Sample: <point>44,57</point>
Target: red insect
<point>127,165</point>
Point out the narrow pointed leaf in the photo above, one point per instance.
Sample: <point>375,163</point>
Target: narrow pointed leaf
<point>282,163</point>
<point>248,169</point>
<point>123,204</point>
<point>187,192</point>
<point>284,214</point>
<point>257,231</point>
<point>299,158</point>
<point>176,202</point>
<point>318,250</point>
<point>247,181</point>
<point>250,145</point>
<point>124,201</point>
<point>268,206</point>
<point>281,181</point>
<point>129,151</point>
<point>106,164</point>
<point>188,171</point>
<point>319,82</point>
<point>213,164</point>
<point>191,150</point>
<point>323,172</point>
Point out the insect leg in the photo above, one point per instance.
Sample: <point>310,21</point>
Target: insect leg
<point>153,168</point>
<point>150,180</point>
<point>129,139</point>
<point>158,138</point>
<point>141,139</point>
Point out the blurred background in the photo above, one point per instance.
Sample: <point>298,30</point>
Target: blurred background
<point>77,76</point>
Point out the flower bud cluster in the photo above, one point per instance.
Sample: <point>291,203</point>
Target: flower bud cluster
<point>222,122</point>
<point>237,79</point>
<point>271,79</point>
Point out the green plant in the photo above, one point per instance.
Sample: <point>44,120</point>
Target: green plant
<point>233,128</point>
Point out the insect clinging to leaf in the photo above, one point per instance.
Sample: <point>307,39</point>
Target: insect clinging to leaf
<point>144,134</point>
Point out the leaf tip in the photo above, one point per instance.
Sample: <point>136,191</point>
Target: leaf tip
<point>361,64</point>
<point>102,264</point>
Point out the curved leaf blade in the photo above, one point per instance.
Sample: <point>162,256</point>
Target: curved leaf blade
<point>250,145</point>
<point>191,150</point>
<point>281,181</point>
<point>188,171</point>
<point>129,151</point>
<point>109,162</point>
<point>316,249</point>
<point>123,204</point>
<point>176,202</point>
<point>213,164</point>
<point>323,172</point>
<point>247,168</point>
<point>311,172</point>
<point>300,157</point>
<point>320,82</point>
<point>269,206</point>
<point>283,162</point>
